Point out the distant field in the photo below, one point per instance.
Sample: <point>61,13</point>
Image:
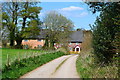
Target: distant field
<point>15,53</point>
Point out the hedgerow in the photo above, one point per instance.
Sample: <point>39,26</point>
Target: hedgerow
<point>18,68</point>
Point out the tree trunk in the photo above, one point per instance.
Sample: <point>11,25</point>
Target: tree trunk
<point>19,42</point>
<point>51,44</point>
<point>11,42</point>
<point>46,45</point>
<point>12,38</point>
<point>12,29</point>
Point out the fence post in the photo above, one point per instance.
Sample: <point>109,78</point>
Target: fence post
<point>18,56</point>
<point>37,53</point>
<point>8,60</point>
<point>15,58</point>
<point>33,55</point>
<point>25,56</point>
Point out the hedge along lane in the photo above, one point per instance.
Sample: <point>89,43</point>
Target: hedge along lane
<point>18,68</point>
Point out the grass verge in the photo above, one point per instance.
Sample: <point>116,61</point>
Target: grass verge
<point>87,68</point>
<point>18,68</point>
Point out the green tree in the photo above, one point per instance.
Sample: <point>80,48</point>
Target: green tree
<point>8,18</point>
<point>105,30</point>
<point>116,41</point>
<point>21,19</point>
<point>58,27</point>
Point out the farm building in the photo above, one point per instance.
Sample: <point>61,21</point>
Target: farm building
<point>74,43</point>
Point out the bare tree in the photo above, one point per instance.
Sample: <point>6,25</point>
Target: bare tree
<point>59,27</point>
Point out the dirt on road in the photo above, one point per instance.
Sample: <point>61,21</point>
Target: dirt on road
<point>63,67</point>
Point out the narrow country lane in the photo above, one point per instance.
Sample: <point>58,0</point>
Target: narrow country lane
<point>68,69</point>
<point>63,67</point>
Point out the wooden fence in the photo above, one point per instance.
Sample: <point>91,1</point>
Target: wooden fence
<point>25,56</point>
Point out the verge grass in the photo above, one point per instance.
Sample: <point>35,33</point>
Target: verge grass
<point>87,68</point>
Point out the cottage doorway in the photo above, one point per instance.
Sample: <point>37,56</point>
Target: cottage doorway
<point>77,49</point>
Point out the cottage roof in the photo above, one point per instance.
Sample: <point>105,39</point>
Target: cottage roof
<point>42,35</point>
<point>76,36</point>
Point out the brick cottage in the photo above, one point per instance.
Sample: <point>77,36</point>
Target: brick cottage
<point>76,38</point>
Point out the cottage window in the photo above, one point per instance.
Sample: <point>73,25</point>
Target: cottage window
<point>25,46</point>
<point>54,43</point>
<point>77,43</point>
<point>70,48</point>
<point>26,40</point>
<point>39,40</point>
<point>39,46</point>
